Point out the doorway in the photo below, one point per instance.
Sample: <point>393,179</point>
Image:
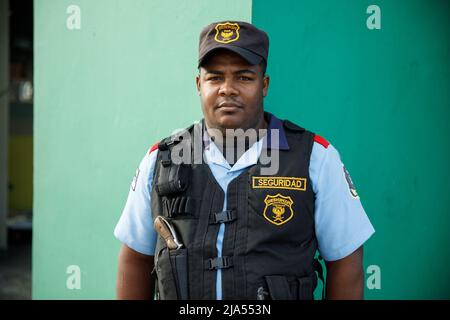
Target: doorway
<point>16,145</point>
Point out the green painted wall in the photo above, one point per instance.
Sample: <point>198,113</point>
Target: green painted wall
<point>382,98</point>
<point>103,95</point>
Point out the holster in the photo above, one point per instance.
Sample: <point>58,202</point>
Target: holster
<point>172,274</point>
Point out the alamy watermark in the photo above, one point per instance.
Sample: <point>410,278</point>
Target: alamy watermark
<point>233,144</point>
<point>73,281</point>
<point>373,281</point>
<point>373,22</point>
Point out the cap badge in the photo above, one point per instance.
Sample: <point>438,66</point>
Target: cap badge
<point>227,32</point>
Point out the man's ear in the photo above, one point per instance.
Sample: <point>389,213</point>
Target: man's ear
<point>197,82</point>
<point>266,82</point>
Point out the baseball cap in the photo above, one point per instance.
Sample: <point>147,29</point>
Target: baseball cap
<point>243,38</point>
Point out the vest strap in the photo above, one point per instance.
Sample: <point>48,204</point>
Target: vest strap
<point>181,206</point>
<point>164,149</point>
<point>222,217</point>
<point>218,263</point>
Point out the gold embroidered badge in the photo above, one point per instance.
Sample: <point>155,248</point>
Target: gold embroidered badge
<point>227,32</point>
<point>278,209</point>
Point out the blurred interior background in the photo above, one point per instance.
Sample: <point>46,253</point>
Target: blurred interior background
<point>16,47</point>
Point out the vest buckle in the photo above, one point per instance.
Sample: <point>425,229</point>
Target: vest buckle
<point>222,217</point>
<point>164,149</point>
<point>218,263</point>
<point>165,158</point>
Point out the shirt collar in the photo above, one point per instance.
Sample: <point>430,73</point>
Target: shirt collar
<point>275,124</point>
<point>269,143</point>
<point>250,157</point>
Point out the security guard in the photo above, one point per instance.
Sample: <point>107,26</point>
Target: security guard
<point>229,227</point>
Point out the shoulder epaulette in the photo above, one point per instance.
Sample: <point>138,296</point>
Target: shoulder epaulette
<point>321,140</point>
<point>155,146</point>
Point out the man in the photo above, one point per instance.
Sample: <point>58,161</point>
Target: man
<point>233,230</point>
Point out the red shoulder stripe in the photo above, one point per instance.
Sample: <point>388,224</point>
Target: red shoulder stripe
<point>321,140</point>
<point>155,146</point>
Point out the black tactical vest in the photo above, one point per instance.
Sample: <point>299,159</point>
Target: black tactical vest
<point>269,242</point>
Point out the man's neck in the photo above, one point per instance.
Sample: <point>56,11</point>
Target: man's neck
<point>233,143</point>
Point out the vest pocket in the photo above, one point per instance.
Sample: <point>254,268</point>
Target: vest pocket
<point>172,179</point>
<point>172,274</point>
<point>279,288</point>
<point>179,261</point>
<point>305,289</point>
<point>289,288</point>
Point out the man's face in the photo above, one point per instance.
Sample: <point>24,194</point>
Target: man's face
<point>231,91</point>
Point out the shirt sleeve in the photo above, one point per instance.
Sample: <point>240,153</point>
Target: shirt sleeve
<point>342,225</point>
<point>135,226</point>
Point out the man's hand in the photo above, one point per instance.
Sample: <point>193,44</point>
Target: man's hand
<point>134,280</point>
<point>345,277</point>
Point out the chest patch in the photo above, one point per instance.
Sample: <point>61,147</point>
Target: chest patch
<point>292,183</point>
<point>278,209</point>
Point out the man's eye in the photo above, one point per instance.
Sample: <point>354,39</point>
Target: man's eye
<point>244,78</point>
<point>214,78</point>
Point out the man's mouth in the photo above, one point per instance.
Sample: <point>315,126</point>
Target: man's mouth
<point>229,106</point>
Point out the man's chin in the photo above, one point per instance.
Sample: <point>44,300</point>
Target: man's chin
<point>230,123</point>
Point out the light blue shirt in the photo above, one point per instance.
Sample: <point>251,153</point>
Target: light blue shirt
<point>341,223</point>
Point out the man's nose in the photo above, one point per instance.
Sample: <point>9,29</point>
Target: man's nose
<point>228,88</point>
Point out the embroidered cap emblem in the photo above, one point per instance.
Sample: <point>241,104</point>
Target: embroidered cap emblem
<point>278,209</point>
<point>227,32</point>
